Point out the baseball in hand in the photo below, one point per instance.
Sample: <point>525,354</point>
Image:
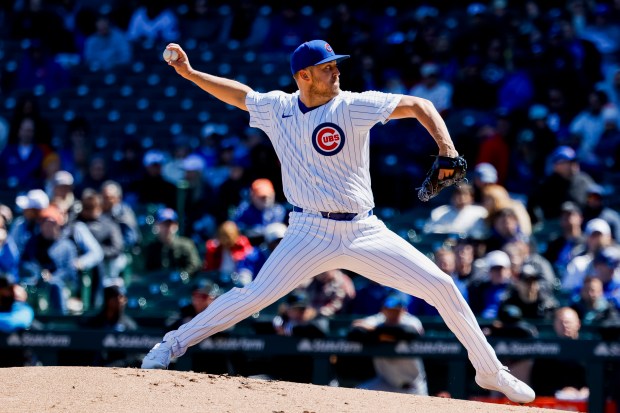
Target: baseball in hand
<point>170,55</point>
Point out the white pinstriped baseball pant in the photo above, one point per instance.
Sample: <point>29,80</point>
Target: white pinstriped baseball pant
<point>365,246</point>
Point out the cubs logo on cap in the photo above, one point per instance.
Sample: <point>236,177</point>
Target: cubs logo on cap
<point>312,53</point>
<point>328,139</point>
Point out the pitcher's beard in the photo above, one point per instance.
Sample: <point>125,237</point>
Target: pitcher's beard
<point>328,93</point>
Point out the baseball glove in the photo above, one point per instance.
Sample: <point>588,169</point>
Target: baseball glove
<point>432,185</point>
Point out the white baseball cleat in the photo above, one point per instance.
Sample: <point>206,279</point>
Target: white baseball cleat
<point>159,356</point>
<point>504,382</point>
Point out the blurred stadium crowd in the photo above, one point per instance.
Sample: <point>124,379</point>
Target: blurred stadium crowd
<point>124,186</point>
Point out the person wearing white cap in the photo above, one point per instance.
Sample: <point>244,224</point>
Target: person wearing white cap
<point>62,190</point>
<point>273,234</point>
<point>433,88</point>
<point>25,225</point>
<point>485,295</point>
<point>598,236</point>
<point>483,174</point>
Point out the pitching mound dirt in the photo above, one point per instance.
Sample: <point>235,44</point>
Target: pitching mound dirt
<point>115,390</point>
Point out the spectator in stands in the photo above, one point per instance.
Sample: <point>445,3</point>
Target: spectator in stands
<point>49,166</point>
<point>170,251</point>
<point>20,162</point>
<point>62,195</point>
<point>570,242</point>
<point>330,292</point>
<point>433,88</point>
<point>260,210</point>
<point>561,112</point>
<point>523,253</point>
<point>153,188</point>
<point>154,21</point>
<point>108,46</point>
<point>34,19</point>
<point>445,258</point>
<point>111,317</point>
<point>109,236</point>
<point>38,68</point>
<point>495,198</point>
<point>596,208</point>
<point>271,238</point>
<point>250,23</point>
<point>486,294</point>
<point>527,293</point>
<point>296,317</point>
<point>471,89</point>
<point>494,148</point>
<point>544,140</point>
<point>591,304</point>
<point>606,267</point>
<point>464,259</point>
<point>120,212</point>
<point>173,170</point>
<point>49,260</point>
<point>232,191</point>
<point>392,324</point>
<point>287,29</point>
<point>598,236</point>
<point>200,199</point>
<point>112,314</point>
<point>15,314</point>
<point>561,377</point>
<point>96,175</point>
<point>25,225</point>
<point>77,148</point>
<point>28,107</point>
<point>460,216</point>
<point>588,126</point>
<point>9,254</point>
<point>6,214</point>
<point>128,169</point>
<point>504,228</point>
<point>484,174</point>
<point>206,23</point>
<point>607,150</point>
<point>203,294</point>
<point>566,182</point>
<point>231,253</point>
<point>510,324</point>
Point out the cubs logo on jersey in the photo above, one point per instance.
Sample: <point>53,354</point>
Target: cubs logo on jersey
<point>328,139</point>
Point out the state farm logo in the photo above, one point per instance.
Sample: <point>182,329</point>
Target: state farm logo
<point>328,139</point>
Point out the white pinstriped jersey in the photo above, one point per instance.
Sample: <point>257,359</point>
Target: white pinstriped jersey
<point>324,153</point>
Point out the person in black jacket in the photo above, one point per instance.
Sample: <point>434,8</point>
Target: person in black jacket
<point>108,234</point>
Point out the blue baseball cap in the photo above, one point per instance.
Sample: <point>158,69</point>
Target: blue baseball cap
<point>167,214</point>
<point>396,300</point>
<point>563,154</point>
<point>312,53</point>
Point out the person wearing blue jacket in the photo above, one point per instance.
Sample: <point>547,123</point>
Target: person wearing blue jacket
<point>14,314</point>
